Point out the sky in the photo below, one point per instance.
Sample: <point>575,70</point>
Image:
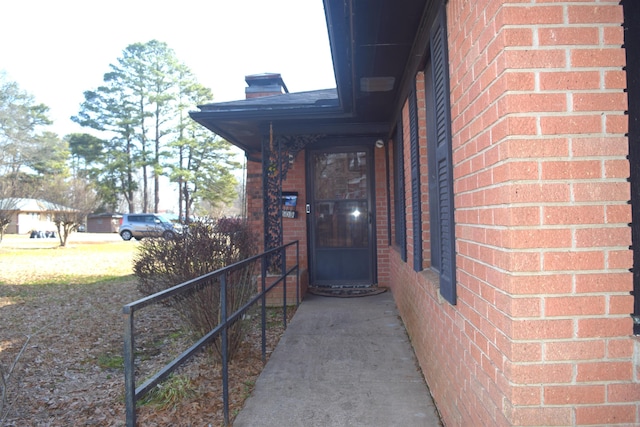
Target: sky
<point>56,50</point>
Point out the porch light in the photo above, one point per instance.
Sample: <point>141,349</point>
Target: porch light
<point>356,213</point>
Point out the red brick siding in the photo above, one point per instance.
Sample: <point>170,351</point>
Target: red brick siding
<point>541,331</point>
<point>408,196</point>
<point>275,296</point>
<point>255,212</point>
<point>382,226</point>
<point>293,228</point>
<point>424,181</point>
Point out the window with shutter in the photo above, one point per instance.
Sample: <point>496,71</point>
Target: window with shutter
<point>416,210</point>
<point>398,190</point>
<point>434,230</point>
<point>443,254</point>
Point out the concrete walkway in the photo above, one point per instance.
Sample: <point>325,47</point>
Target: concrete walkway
<point>342,362</point>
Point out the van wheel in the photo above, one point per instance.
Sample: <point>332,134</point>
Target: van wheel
<point>126,235</point>
<point>168,235</point>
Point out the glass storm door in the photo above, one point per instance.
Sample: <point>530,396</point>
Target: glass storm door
<point>340,217</point>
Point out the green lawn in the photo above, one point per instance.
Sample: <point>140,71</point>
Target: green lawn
<point>26,261</point>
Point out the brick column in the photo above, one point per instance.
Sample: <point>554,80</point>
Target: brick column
<point>255,211</point>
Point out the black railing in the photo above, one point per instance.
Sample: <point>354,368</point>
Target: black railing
<point>215,278</point>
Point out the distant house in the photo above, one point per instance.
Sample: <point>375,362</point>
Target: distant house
<point>103,223</point>
<point>30,214</point>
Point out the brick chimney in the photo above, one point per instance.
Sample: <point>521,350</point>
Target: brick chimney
<point>265,84</point>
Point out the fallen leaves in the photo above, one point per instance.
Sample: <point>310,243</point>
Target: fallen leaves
<point>62,379</point>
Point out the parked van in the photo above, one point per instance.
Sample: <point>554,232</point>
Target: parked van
<point>140,226</point>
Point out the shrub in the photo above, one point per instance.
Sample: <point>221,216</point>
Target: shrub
<point>204,246</point>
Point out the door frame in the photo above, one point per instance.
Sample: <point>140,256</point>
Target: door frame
<point>339,145</point>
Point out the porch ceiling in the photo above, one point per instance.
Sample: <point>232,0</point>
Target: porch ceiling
<point>371,46</point>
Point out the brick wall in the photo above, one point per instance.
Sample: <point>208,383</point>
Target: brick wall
<point>541,333</point>
<point>255,212</point>
<point>382,226</point>
<point>296,228</point>
<point>408,196</point>
<point>293,228</point>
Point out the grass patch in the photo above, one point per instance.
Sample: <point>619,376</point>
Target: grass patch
<point>72,280</point>
<point>169,393</point>
<point>111,361</point>
<point>56,290</point>
<point>248,387</point>
<point>175,335</point>
<point>274,316</point>
<point>77,265</point>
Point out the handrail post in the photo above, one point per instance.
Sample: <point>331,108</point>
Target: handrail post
<point>225,349</point>
<point>297,274</point>
<point>263,276</point>
<point>129,369</point>
<point>283,255</point>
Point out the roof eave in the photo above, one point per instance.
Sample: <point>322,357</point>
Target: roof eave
<point>340,53</point>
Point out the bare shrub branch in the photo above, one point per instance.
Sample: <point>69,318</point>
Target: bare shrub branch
<point>5,377</point>
<point>205,246</point>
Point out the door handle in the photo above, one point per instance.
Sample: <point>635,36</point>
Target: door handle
<point>308,208</point>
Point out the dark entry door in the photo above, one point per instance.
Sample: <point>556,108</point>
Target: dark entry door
<point>340,217</point>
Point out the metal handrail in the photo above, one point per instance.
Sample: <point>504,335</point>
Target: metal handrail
<point>133,393</point>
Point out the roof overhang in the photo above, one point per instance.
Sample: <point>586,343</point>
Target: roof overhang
<point>374,54</point>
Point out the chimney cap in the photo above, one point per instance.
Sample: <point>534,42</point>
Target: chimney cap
<point>262,81</point>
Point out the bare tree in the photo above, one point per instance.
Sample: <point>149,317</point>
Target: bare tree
<point>72,200</point>
<point>8,207</point>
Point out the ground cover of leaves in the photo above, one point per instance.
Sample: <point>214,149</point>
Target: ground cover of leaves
<point>66,337</point>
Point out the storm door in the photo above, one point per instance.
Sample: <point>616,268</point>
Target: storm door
<point>340,217</point>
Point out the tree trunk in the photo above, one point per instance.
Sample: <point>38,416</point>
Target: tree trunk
<point>187,207</point>
<point>129,183</point>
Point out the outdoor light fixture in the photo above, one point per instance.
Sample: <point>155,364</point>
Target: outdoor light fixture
<point>379,143</point>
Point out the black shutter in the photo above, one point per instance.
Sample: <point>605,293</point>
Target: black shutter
<point>399,199</point>
<point>434,213</point>
<point>388,181</point>
<point>416,200</point>
<point>443,162</point>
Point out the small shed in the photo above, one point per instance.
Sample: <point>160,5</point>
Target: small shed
<point>103,223</point>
